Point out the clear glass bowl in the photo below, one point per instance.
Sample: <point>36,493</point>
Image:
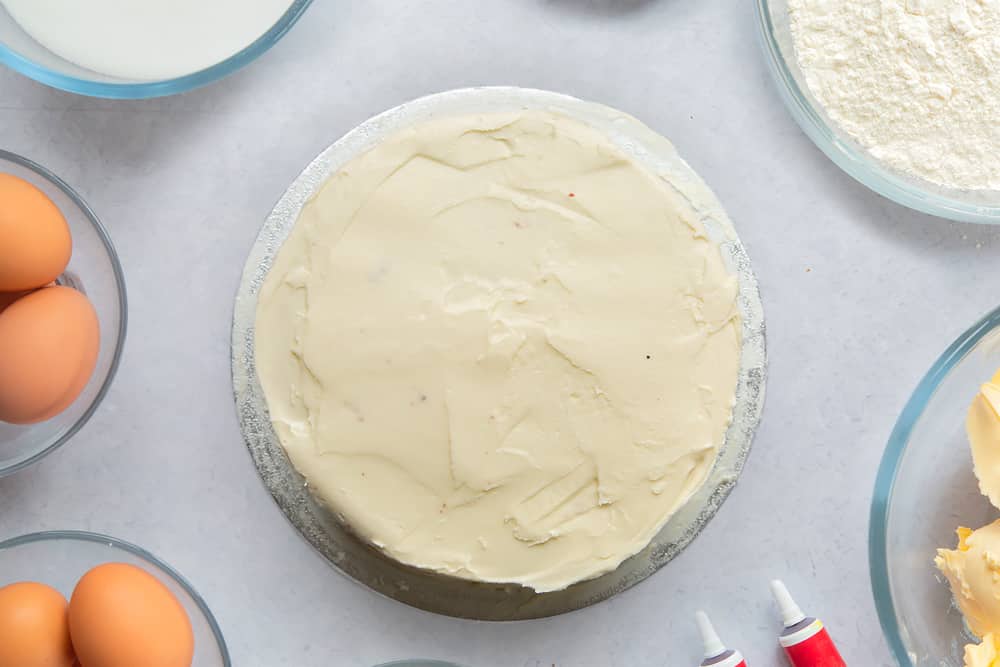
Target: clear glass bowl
<point>918,194</point>
<point>60,558</point>
<point>925,489</point>
<point>95,270</point>
<point>22,53</point>
<point>419,663</point>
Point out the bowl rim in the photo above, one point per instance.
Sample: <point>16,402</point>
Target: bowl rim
<point>119,277</point>
<point>878,562</point>
<point>854,162</point>
<point>164,87</point>
<point>107,540</point>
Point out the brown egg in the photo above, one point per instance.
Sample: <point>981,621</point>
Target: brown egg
<point>122,616</point>
<point>49,341</point>
<point>33,627</point>
<point>35,243</point>
<point>7,298</point>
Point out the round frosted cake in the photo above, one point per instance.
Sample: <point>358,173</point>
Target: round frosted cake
<point>500,348</point>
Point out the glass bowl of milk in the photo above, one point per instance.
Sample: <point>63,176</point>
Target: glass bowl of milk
<point>140,49</point>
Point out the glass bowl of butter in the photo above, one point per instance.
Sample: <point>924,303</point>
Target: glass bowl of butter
<point>925,491</point>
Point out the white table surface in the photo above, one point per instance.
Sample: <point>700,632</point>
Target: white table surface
<point>860,296</point>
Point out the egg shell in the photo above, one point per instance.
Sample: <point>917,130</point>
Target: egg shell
<point>7,298</point>
<point>49,342</point>
<point>35,241</point>
<point>122,616</point>
<point>34,631</point>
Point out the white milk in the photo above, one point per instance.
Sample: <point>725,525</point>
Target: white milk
<point>145,39</point>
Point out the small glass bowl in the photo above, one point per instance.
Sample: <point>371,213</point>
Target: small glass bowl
<point>919,194</point>
<point>924,490</point>
<point>21,52</point>
<point>418,663</point>
<point>60,558</point>
<point>93,269</point>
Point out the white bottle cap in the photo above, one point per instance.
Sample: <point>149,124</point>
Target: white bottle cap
<point>790,612</point>
<point>713,645</point>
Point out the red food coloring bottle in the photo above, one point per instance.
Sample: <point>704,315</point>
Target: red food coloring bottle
<point>805,641</point>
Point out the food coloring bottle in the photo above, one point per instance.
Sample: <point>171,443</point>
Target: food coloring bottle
<point>716,654</point>
<point>805,641</point>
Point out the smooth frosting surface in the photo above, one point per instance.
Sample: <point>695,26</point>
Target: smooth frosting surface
<point>500,349</point>
<point>983,428</point>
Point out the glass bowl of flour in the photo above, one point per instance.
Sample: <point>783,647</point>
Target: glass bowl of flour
<point>901,94</point>
<point>106,48</point>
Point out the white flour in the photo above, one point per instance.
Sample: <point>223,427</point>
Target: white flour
<point>916,82</point>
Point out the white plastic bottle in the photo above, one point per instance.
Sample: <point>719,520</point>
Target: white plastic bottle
<point>804,639</point>
<point>716,653</point>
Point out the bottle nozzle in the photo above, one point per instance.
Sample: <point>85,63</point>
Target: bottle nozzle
<point>713,645</point>
<point>790,612</point>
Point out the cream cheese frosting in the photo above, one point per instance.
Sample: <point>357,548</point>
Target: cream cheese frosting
<point>983,428</point>
<point>500,349</point>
